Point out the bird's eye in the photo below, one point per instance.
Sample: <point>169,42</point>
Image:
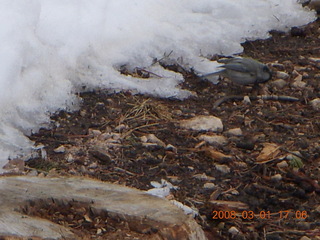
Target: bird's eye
<point>266,69</point>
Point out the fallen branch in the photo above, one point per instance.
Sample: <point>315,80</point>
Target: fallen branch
<point>263,97</point>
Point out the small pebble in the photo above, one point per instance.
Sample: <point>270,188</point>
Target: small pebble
<point>234,192</point>
<point>282,75</point>
<point>209,186</point>
<point>282,164</point>
<point>93,165</point>
<point>153,139</point>
<point>144,139</point>
<point>314,59</point>
<point>233,231</point>
<point>203,123</point>
<point>315,103</point>
<point>214,139</point>
<point>276,178</point>
<point>94,132</point>
<point>279,83</point>
<point>32,173</point>
<point>110,101</point>
<point>177,112</point>
<point>222,168</point>
<point>277,65</point>
<point>70,158</point>
<point>221,225</point>
<point>83,169</point>
<point>191,168</point>
<point>171,148</point>
<point>299,68</point>
<point>234,132</point>
<point>116,136</point>
<point>246,100</point>
<point>60,149</point>
<point>259,137</point>
<point>203,176</point>
<point>44,154</point>
<point>83,113</point>
<point>240,164</point>
<point>40,175</point>
<point>73,172</point>
<point>174,179</point>
<point>105,136</point>
<point>273,109</point>
<point>120,127</point>
<point>299,84</point>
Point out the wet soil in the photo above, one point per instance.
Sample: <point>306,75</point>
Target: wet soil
<point>267,207</point>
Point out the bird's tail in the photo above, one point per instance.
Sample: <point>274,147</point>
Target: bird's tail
<point>212,77</point>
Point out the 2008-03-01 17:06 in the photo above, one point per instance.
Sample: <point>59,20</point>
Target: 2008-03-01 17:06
<point>285,214</point>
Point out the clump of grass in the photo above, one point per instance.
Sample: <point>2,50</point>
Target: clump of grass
<point>146,110</point>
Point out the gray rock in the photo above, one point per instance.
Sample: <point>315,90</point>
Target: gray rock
<point>234,132</point>
<point>203,123</point>
<point>282,75</point>
<point>222,168</point>
<point>279,83</point>
<point>315,103</point>
<point>219,140</point>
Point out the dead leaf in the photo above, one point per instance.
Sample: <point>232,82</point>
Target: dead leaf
<point>215,155</point>
<point>268,153</point>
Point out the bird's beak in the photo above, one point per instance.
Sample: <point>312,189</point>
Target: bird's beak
<point>271,74</point>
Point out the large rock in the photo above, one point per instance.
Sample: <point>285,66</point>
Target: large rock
<point>144,213</point>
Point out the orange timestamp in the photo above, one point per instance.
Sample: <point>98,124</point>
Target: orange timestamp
<point>285,214</point>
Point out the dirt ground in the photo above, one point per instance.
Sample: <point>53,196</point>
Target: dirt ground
<point>277,197</point>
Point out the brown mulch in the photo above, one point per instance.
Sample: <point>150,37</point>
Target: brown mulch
<point>287,208</point>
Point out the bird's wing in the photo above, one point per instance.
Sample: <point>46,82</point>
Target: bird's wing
<point>230,60</point>
<point>212,74</point>
<point>236,67</point>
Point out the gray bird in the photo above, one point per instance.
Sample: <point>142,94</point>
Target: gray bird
<point>242,71</point>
